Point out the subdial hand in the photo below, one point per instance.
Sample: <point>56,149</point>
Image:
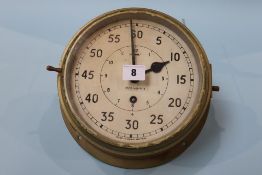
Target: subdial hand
<point>156,67</point>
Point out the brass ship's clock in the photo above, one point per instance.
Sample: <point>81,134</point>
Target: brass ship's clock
<point>134,87</point>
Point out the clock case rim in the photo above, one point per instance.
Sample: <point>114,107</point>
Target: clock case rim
<point>125,155</point>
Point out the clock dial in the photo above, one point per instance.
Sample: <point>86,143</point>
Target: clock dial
<point>126,111</point>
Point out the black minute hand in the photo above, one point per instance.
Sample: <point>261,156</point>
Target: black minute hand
<point>156,67</point>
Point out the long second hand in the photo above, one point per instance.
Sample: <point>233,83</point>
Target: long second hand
<point>132,43</point>
<point>132,48</point>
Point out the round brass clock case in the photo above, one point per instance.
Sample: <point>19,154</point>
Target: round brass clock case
<point>130,153</point>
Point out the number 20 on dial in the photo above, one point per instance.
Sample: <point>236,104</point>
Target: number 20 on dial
<point>134,87</point>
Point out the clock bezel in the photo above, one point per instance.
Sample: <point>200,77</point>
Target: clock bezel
<point>96,143</point>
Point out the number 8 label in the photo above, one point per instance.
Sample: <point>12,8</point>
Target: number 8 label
<point>134,72</point>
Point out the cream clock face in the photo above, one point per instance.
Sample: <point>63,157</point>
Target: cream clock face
<point>133,112</point>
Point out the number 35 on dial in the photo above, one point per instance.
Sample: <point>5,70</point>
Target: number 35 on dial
<point>134,87</point>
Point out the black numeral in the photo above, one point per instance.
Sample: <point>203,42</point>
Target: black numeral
<point>90,75</point>
<point>107,116</point>
<point>181,79</point>
<point>175,56</point>
<point>113,38</point>
<point>156,119</point>
<point>96,53</point>
<point>178,102</point>
<point>171,104</point>
<point>133,72</point>
<point>158,40</point>
<point>92,98</point>
<point>131,124</point>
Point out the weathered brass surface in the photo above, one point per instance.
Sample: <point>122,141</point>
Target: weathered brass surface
<point>166,148</point>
